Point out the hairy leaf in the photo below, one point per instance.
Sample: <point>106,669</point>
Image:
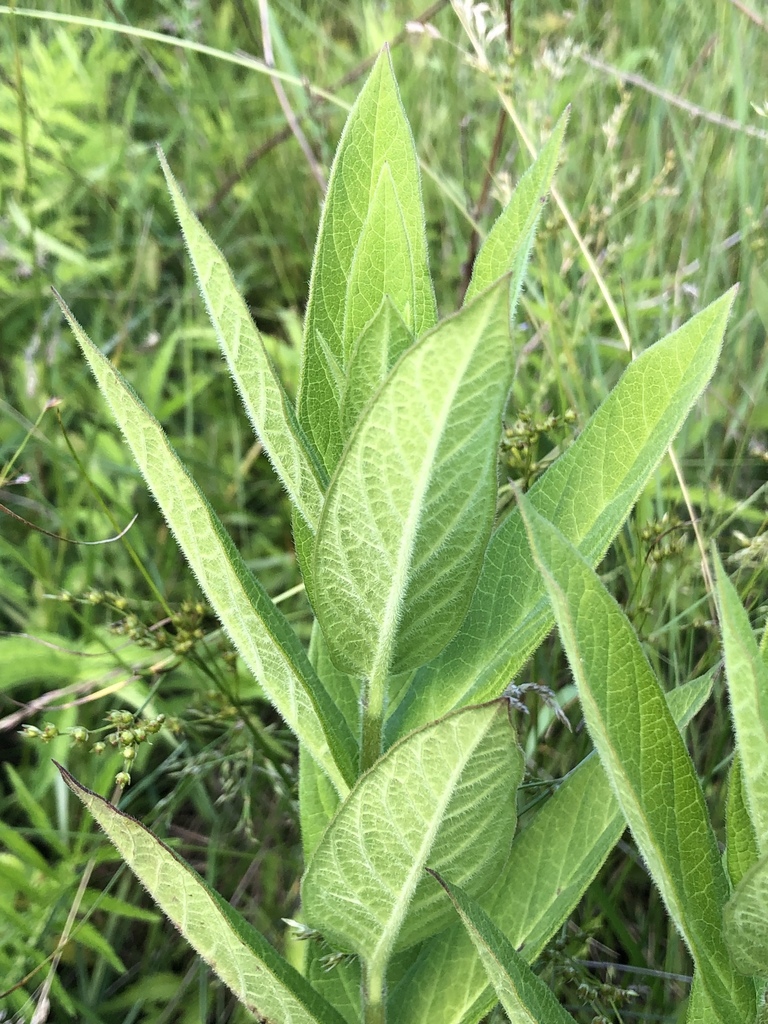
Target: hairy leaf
<point>411,506</point>
<point>525,997</point>
<point>508,245</point>
<point>444,797</point>
<point>740,841</point>
<point>644,758</point>
<point>551,863</point>
<point>746,921</point>
<point>747,676</point>
<point>342,297</point>
<point>587,494</point>
<point>263,982</point>
<point>268,406</point>
<point>373,355</point>
<point>263,636</point>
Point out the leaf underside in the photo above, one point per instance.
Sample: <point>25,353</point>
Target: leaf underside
<point>263,982</point>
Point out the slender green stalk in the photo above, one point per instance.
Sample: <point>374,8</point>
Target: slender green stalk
<point>374,699</point>
<point>374,1004</point>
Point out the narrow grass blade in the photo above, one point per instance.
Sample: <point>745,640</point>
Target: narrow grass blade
<point>268,406</point>
<point>526,998</point>
<point>376,134</point>
<point>508,245</point>
<point>551,863</point>
<point>263,982</point>
<point>644,758</point>
<point>410,508</point>
<point>747,676</point>
<point>366,888</point>
<point>746,921</point>
<point>587,494</point>
<point>263,636</point>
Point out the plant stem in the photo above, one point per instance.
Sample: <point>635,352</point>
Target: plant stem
<point>374,1005</point>
<point>374,696</point>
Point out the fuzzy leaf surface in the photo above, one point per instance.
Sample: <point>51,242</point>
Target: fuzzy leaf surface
<point>587,494</point>
<point>443,797</point>
<point>645,759</point>
<point>373,355</point>
<point>261,633</point>
<point>551,864</point>
<point>746,921</point>
<point>269,408</point>
<point>526,998</point>
<point>382,265</point>
<point>376,135</point>
<point>261,979</point>
<point>410,508</point>
<point>740,841</point>
<point>700,1010</point>
<point>747,675</point>
<point>508,245</point>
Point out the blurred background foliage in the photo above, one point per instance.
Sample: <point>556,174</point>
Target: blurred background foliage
<point>664,174</point>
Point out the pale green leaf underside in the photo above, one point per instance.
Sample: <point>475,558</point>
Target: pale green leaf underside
<point>443,797</point>
<point>700,1010</point>
<point>376,134</point>
<point>644,757</point>
<point>410,508</point>
<point>747,676</point>
<point>740,841</point>
<point>373,355</point>
<point>382,265</point>
<point>266,402</point>
<point>551,863</point>
<point>508,245</point>
<point>318,800</point>
<point>262,635</point>
<point>263,982</point>
<point>746,921</point>
<point>526,998</point>
<point>587,494</point>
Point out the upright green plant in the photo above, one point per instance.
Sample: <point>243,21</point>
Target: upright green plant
<point>425,608</point>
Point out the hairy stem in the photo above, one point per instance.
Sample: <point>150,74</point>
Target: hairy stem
<point>373,703</point>
<point>374,1005</point>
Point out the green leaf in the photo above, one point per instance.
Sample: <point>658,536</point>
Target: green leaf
<point>444,797</point>
<point>382,265</point>
<point>343,295</point>
<point>508,245</point>
<point>746,921</point>
<point>587,494</point>
<point>263,982</point>
<point>410,508</point>
<point>551,863</point>
<point>644,758</point>
<point>375,352</point>
<point>699,1009</point>
<point>318,802</point>
<point>263,636</point>
<point>268,406</point>
<point>741,843</point>
<point>747,676</point>
<point>525,997</point>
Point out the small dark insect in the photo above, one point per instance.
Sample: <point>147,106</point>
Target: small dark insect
<point>514,694</point>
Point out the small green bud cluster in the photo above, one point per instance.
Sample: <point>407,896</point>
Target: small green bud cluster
<point>576,974</point>
<point>666,538</point>
<point>520,443</point>
<point>179,633</point>
<point>125,732</point>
